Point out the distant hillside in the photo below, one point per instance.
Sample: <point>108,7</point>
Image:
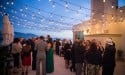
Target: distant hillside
<point>19,34</point>
<point>24,35</point>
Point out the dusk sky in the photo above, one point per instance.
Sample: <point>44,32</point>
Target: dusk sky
<point>42,17</point>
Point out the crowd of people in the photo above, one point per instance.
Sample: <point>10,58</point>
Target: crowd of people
<point>32,52</point>
<point>82,56</point>
<point>88,57</point>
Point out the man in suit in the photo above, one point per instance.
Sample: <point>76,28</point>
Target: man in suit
<point>41,47</point>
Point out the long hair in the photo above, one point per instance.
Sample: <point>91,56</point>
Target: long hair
<point>93,46</point>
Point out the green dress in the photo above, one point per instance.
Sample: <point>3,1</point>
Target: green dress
<point>49,61</point>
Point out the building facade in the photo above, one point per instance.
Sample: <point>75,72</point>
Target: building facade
<point>107,20</point>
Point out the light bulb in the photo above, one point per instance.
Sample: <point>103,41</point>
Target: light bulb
<point>25,15</point>
<point>66,5</point>
<point>50,0</point>
<point>112,17</point>
<point>4,8</point>
<point>104,1</point>
<point>39,12</point>
<point>53,5</point>
<point>26,8</point>
<point>7,3</point>
<point>13,16</point>
<point>15,12</point>
<point>61,19</point>
<point>103,15</point>
<point>121,10</point>
<point>12,3</point>
<point>112,6</point>
<point>21,9</point>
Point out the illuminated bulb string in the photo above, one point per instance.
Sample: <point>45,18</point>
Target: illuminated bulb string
<point>51,20</point>
<point>53,13</point>
<point>87,8</point>
<point>39,11</point>
<point>42,16</point>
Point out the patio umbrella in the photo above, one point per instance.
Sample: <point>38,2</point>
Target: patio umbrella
<point>7,31</point>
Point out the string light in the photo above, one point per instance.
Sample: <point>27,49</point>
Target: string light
<point>67,9</point>
<point>104,1</point>
<point>18,24</point>
<point>58,22</point>
<point>50,0</point>
<point>13,16</point>
<point>12,3</point>
<point>112,17</point>
<point>39,12</point>
<point>103,15</point>
<point>88,8</point>
<point>4,8</point>
<point>61,18</point>
<point>21,9</point>
<point>25,15</point>
<point>26,7</point>
<point>33,15</point>
<point>78,10</point>
<point>93,13</point>
<point>112,6</point>
<point>121,10</point>
<point>15,12</point>
<point>66,5</point>
<point>53,4</point>
<point>25,20</point>
<point>7,3</point>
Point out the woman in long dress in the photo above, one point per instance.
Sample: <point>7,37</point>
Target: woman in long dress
<point>49,58</point>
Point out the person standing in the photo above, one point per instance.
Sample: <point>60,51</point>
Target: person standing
<point>49,58</point>
<point>67,54</point>
<point>41,47</point>
<point>109,58</point>
<point>49,39</point>
<point>26,57</point>
<point>57,46</point>
<point>16,52</point>
<point>93,59</point>
<point>77,57</point>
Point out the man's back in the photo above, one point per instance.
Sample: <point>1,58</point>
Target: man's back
<point>41,47</point>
